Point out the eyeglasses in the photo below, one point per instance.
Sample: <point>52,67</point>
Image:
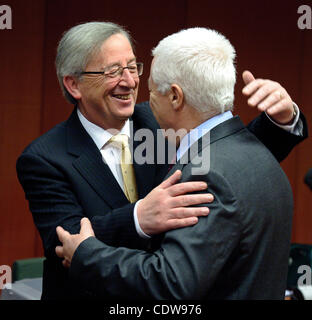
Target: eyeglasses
<point>116,72</point>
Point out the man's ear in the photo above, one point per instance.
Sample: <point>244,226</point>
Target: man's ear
<point>176,97</point>
<point>71,84</point>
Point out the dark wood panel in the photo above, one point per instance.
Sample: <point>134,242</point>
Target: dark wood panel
<point>20,104</point>
<point>303,200</point>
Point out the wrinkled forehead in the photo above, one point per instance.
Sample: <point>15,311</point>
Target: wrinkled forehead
<point>116,50</point>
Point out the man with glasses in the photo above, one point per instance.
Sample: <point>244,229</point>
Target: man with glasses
<point>78,168</point>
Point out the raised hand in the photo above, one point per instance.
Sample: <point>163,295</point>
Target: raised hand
<point>269,96</point>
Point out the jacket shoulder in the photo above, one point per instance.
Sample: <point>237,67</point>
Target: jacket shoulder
<point>143,116</point>
<point>52,138</point>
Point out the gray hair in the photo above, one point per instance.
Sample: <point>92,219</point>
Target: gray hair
<point>201,62</point>
<point>78,46</point>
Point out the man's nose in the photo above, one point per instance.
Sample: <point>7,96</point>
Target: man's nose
<point>128,79</point>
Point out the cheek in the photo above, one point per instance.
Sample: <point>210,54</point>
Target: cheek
<point>154,107</point>
<point>93,83</point>
<point>151,99</point>
<point>137,82</point>
<point>107,90</point>
<point>136,88</point>
<point>92,90</point>
<point>152,104</point>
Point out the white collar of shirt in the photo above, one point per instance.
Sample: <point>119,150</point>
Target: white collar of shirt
<point>101,137</point>
<point>98,134</point>
<point>196,133</point>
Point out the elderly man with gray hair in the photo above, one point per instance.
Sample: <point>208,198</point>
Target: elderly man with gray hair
<point>240,251</point>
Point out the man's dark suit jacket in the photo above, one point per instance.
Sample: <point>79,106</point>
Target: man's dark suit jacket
<point>240,251</point>
<point>65,179</point>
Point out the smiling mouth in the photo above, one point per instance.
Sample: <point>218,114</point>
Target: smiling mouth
<point>122,96</point>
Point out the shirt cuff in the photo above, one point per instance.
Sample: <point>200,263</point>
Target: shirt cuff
<point>296,127</point>
<point>137,225</point>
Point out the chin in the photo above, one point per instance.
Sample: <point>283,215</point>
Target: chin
<point>126,112</point>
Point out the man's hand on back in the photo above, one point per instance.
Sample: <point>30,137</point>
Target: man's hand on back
<point>168,206</point>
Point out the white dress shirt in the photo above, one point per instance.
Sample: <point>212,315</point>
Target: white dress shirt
<point>111,155</point>
<point>296,127</point>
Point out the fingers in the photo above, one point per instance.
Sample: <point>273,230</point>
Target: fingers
<point>59,251</point>
<point>182,213</point>
<point>191,200</point>
<point>267,92</point>
<point>248,77</point>
<point>181,223</point>
<point>187,187</point>
<point>274,98</point>
<point>184,217</point>
<point>66,263</point>
<point>86,228</point>
<point>269,96</point>
<point>253,86</point>
<point>278,108</point>
<point>62,234</point>
<point>173,179</point>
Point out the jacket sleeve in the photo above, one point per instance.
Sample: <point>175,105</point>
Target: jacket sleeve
<point>184,267</point>
<point>277,140</point>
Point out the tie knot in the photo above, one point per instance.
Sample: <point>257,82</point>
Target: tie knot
<point>119,140</point>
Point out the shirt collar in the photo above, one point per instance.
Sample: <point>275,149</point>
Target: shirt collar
<point>196,133</point>
<point>99,135</point>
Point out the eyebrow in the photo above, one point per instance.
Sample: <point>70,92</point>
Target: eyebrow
<point>117,64</point>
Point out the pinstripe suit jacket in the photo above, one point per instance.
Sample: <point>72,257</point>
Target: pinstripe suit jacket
<point>65,179</point>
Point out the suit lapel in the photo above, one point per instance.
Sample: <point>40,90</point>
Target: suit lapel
<point>89,163</point>
<point>144,173</point>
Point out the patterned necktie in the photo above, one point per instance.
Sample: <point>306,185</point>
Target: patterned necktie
<point>130,189</point>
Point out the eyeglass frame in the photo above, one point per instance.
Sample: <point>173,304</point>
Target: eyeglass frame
<point>119,73</point>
